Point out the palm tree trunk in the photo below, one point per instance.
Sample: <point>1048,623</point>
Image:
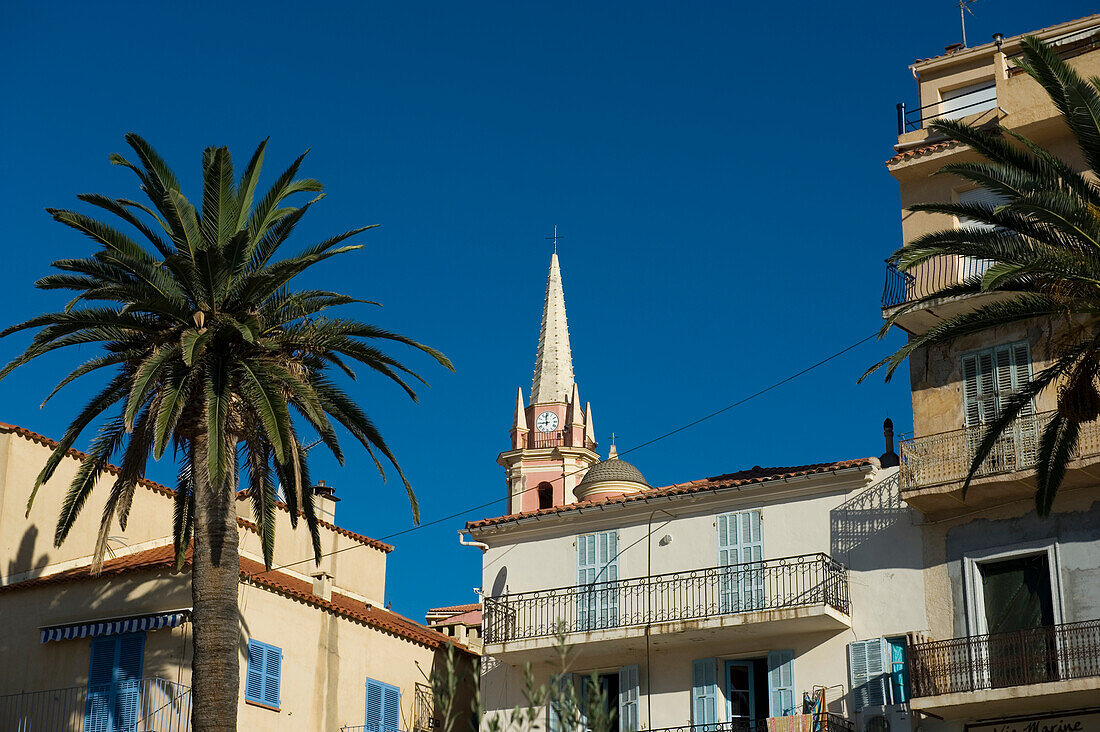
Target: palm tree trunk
<point>215,575</point>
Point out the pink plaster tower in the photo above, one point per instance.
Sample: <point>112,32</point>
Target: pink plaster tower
<point>553,441</point>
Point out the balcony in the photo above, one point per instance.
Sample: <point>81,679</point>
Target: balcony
<point>935,275</point>
<point>823,722</point>
<point>149,705</point>
<point>934,467</point>
<point>1018,672</point>
<point>777,596</point>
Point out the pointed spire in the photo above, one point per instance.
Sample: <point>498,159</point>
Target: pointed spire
<point>589,429</point>
<point>576,416</point>
<point>519,422</point>
<point>554,361</point>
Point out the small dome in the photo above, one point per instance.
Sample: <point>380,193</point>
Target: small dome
<point>613,469</point>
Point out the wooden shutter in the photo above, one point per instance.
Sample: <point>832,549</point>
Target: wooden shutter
<point>254,676</point>
<point>867,661</point>
<point>97,707</point>
<point>373,717</point>
<point>114,682</point>
<point>979,388</point>
<point>262,679</point>
<point>704,691</point>
<point>740,543</point>
<point>628,699</point>
<point>597,563</point>
<point>391,708</point>
<point>781,683</point>
<point>131,652</point>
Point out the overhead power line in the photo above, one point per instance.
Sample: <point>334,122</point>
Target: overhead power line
<point>666,435</point>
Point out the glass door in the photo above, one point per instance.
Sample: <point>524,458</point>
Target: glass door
<point>740,695</point>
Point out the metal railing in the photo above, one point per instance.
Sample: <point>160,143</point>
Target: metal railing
<point>1067,45</point>
<point>368,728</point>
<point>824,722</point>
<point>926,279</point>
<point>1017,658</point>
<point>149,705</point>
<point>915,119</point>
<point>557,438</point>
<point>811,579</point>
<point>946,457</point>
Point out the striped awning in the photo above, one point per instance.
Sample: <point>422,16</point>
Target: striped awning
<point>114,626</point>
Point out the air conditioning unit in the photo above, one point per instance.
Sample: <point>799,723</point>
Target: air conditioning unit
<point>892,718</point>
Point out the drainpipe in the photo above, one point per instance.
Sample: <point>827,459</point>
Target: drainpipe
<point>479,544</point>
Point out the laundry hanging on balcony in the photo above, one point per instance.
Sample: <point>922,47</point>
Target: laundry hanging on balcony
<point>133,624</point>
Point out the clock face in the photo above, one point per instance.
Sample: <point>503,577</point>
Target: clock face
<point>546,422</point>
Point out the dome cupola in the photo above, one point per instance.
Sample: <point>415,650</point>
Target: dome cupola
<point>610,478</point>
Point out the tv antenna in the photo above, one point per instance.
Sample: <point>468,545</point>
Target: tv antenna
<point>964,8</point>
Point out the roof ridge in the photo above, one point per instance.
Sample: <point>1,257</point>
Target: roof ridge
<point>698,486</point>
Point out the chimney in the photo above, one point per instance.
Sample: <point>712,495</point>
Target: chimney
<point>889,459</point>
<point>324,501</point>
<point>954,47</point>
<point>322,585</point>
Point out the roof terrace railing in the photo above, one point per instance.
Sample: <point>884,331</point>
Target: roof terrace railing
<point>928,278</point>
<point>801,581</point>
<point>998,660</point>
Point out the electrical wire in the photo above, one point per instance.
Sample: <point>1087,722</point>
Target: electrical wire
<point>647,443</point>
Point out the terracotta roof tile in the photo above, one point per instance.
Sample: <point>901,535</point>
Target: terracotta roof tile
<point>956,48</point>
<point>254,572</point>
<point>166,491</point>
<point>921,151</point>
<point>472,617</point>
<point>745,477</point>
<point>456,608</point>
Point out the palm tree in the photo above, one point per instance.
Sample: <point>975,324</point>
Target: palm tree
<point>1044,242</point>
<point>212,352</point>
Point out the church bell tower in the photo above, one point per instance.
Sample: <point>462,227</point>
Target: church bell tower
<point>553,441</point>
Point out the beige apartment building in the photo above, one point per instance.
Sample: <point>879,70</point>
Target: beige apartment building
<point>1012,600</point>
<point>720,603</point>
<point>112,653</point>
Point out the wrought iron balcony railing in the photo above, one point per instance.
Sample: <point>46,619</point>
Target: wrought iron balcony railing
<point>945,457</point>
<point>1018,658</point>
<point>811,579</point>
<point>823,722</point>
<point>933,276</point>
<point>146,705</point>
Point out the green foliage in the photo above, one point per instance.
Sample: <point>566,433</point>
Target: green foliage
<point>1045,245</point>
<point>210,345</point>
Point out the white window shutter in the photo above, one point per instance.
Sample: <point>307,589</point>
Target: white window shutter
<point>868,665</point>
<point>628,698</point>
<point>704,691</point>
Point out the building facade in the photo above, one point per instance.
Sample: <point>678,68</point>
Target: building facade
<point>717,603</point>
<point>1012,600</point>
<point>112,653</point>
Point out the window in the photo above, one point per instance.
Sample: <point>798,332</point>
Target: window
<point>114,682</point>
<point>383,707</point>
<point>971,266</point>
<point>990,377</point>
<point>546,495</point>
<point>899,669</point>
<point>878,671</point>
<point>598,569</point>
<point>741,548</point>
<point>261,684</point>
<point>967,100</point>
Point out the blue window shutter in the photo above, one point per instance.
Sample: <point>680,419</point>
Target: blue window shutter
<point>114,682</point>
<point>704,691</point>
<point>101,671</point>
<point>597,562</point>
<point>867,668</point>
<point>273,664</point>
<point>628,699</point>
<point>254,676</point>
<point>781,683</point>
<point>262,679</point>
<point>373,718</point>
<point>131,654</point>
<point>740,545</point>
<point>391,708</point>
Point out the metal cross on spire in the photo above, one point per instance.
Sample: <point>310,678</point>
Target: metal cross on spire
<point>555,237</point>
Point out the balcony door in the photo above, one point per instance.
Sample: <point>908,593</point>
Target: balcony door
<point>990,377</point>
<point>740,557</point>
<point>114,683</point>
<point>597,580</point>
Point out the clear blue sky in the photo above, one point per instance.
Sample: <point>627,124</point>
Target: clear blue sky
<point>716,171</point>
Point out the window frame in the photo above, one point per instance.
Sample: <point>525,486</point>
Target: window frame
<point>974,590</point>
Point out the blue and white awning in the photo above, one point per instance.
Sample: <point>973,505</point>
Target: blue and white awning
<point>134,624</point>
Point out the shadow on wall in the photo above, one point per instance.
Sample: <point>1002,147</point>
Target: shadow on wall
<point>24,563</point>
<point>865,530</point>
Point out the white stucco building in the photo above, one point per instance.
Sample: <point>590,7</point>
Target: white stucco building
<point>722,600</point>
